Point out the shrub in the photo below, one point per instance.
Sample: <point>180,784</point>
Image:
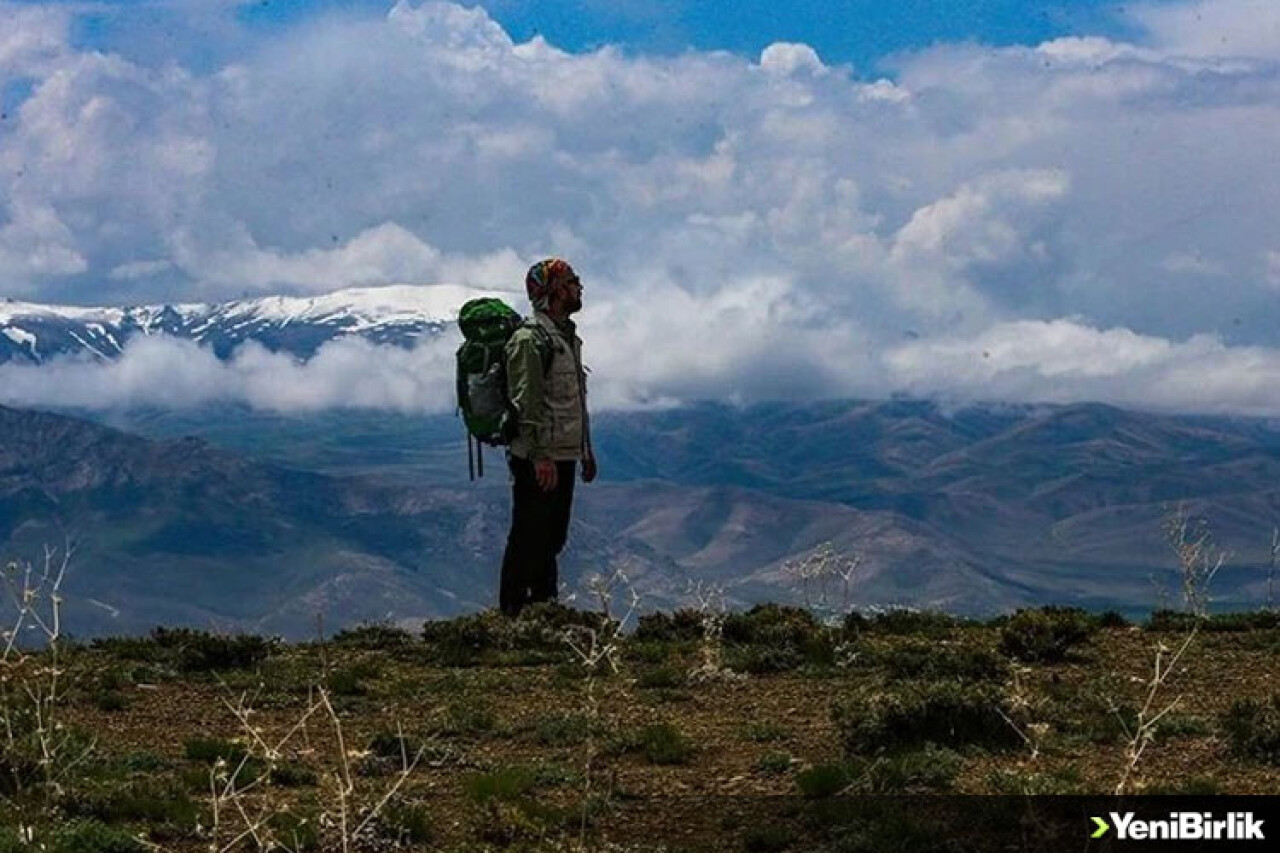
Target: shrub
<point>1171,620</point>
<point>374,636</point>
<point>766,732</point>
<point>682,625</point>
<point>931,624</point>
<point>1182,725</point>
<point>407,824</point>
<point>297,833</point>
<point>562,730</point>
<point>504,785</point>
<point>769,838</point>
<point>824,780</point>
<point>144,761</point>
<point>945,713</point>
<point>661,677</point>
<point>932,660</point>
<point>110,701</point>
<point>1253,728</point>
<point>774,763</point>
<point>467,719</point>
<point>349,681</point>
<point>763,659</point>
<point>540,627</point>
<point>93,837</point>
<point>393,746</point>
<point>1112,619</point>
<point>1021,783</point>
<point>146,801</point>
<point>772,625</point>
<point>664,744</point>
<point>1193,786</point>
<point>1045,634</point>
<point>293,775</point>
<point>210,750</point>
<point>932,768</point>
<point>189,650</point>
<point>1260,620</point>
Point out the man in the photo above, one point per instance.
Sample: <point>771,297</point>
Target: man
<point>548,386</point>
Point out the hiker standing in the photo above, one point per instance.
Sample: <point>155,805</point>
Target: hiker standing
<point>548,387</point>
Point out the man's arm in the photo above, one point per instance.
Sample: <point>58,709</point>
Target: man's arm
<point>526,388</point>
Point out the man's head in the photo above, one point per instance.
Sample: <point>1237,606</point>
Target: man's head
<point>554,287</point>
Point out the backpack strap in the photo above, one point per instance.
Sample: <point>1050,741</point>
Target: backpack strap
<point>546,345</point>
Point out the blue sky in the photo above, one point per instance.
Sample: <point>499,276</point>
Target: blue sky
<point>856,32</point>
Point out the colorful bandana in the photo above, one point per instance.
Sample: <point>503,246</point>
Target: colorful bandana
<point>542,279</point>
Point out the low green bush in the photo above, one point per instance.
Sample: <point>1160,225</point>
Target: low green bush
<point>391,745</point>
<point>562,729</point>
<point>374,636</point>
<point>823,780</point>
<point>407,824</point>
<point>1224,623</point>
<point>189,650</point>
<point>763,659</point>
<point>678,626</point>
<point>774,763</point>
<point>915,771</point>
<point>1252,727</point>
<point>930,624</point>
<point>1046,634</point>
<point>506,785</point>
<point>1112,619</point>
<point>940,660</point>
<point>90,836</point>
<point>148,800</point>
<point>951,714</point>
<point>772,625</point>
<point>541,627</point>
<point>766,731</point>
<point>299,833</point>
<point>294,775</point>
<point>210,749</point>
<point>663,743</point>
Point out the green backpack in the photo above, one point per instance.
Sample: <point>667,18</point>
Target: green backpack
<point>487,324</point>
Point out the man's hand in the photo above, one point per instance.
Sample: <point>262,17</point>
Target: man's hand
<point>588,468</point>
<point>545,471</point>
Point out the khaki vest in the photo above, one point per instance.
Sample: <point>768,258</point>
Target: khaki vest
<point>564,398</point>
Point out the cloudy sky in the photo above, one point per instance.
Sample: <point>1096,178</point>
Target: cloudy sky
<point>1003,200</point>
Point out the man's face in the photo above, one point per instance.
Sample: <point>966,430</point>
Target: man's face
<point>570,293</point>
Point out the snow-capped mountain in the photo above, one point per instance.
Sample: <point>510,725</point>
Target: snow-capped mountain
<point>398,315</point>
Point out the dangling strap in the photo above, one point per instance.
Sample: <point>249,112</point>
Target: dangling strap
<point>471,467</point>
<point>479,458</point>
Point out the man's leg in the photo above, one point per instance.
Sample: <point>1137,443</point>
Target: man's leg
<point>528,541</point>
<point>547,585</point>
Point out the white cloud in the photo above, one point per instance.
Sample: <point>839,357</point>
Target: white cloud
<point>787,58</point>
<point>167,372</point>
<point>712,203</point>
<point>1271,259</point>
<point>1193,263</point>
<point>134,270</point>
<point>1066,361</point>
<point>1225,28</point>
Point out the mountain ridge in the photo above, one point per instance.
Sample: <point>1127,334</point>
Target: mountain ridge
<point>399,315</point>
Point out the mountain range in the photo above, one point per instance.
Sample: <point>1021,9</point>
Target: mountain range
<point>230,518</point>
<point>398,315</point>
<point>267,521</point>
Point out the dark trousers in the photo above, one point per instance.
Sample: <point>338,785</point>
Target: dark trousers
<point>539,528</point>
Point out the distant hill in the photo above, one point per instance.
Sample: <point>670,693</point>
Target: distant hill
<point>266,520</point>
